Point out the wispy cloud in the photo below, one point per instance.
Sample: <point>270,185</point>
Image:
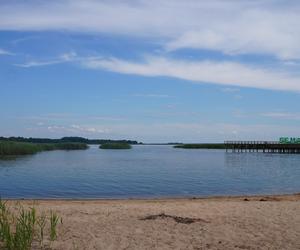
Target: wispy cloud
<point>232,27</point>
<point>24,39</point>
<point>152,95</point>
<point>234,91</point>
<point>77,129</point>
<point>205,71</point>
<point>68,117</point>
<point>5,52</point>
<point>282,115</point>
<point>224,73</point>
<point>66,57</point>
<point>230,90</point>
<point>31,64</point>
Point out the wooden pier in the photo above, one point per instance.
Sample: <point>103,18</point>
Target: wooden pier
<point>262,146</point>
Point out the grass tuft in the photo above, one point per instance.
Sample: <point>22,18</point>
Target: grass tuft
<point>22,229</point>
<point>53,223</point>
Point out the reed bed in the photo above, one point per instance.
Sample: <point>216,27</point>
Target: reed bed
<point>26,148</point>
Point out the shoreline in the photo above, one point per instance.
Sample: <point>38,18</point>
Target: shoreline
<point>217,197</point>
<point>227,222</point>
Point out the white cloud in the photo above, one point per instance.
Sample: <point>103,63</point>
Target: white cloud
<point>251,31</point>
<point>232,27</point>
<point>224,73</point>
<point>205,71</point>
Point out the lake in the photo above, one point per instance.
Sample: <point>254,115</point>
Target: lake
<point>147,171</point>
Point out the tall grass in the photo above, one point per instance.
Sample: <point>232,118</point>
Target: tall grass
<point>53,223</point>
<point>114,145</point>
<point>25,148</point>
<point>23,229</point>
<point>41,221</point>
<point>18,148</point>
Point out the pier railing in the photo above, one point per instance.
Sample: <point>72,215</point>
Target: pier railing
<point>252,142</point>
<point>262,146</point>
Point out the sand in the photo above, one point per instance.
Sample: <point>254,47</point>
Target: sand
<point>271,222</point>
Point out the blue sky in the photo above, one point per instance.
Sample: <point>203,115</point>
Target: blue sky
<point>154,71</point>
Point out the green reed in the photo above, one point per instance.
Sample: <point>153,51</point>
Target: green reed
<point>25,148</point>
<point>22,229</point>
<point>53,224</point>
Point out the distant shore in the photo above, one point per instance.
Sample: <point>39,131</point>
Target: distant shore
<point>241,222</point>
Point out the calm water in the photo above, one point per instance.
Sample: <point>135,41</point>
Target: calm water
<point>147,171</point>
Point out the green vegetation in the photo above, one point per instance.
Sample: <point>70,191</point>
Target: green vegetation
<point>115,146</point>
<point>23,229</point>
<point>53,224</point>
<point>18,148</point>
<point>66,140</point>
<point>24,148</point>
<point>201,145</point>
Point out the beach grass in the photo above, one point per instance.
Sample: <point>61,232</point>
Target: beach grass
<point>53,224</point>
<point>201,146</point>
<point>25,148</point>
<point>115,146</point>
<point>21,229</point>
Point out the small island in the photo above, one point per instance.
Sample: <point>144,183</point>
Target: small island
<point>16,146</point>
<point>115,145</point>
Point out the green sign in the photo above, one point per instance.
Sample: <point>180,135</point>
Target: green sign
<point>289,140</point>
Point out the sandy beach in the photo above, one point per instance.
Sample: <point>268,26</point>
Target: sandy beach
<point>257,222</point>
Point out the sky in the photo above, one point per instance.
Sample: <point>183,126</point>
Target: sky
<point>152,71</point>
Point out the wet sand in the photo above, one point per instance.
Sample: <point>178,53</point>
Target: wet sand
<point>256,222</point>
